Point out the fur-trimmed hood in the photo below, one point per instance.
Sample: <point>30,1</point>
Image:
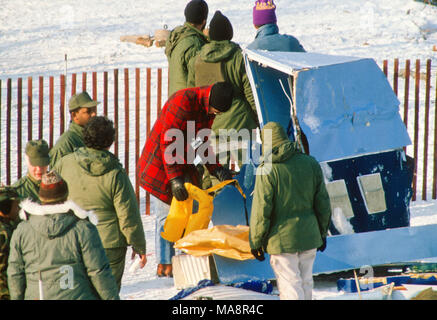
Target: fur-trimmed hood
<point>53,220</point>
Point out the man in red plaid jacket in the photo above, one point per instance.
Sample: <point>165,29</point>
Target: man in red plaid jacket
<point>187,110</point>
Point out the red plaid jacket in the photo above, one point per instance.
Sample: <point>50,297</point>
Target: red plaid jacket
<point>154,172</point>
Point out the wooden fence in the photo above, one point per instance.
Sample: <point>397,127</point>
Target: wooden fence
<point>133,113</point>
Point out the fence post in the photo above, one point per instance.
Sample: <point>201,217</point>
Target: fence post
<point>126,120</point>
<point>84,81</point>
<point>105,93</point>
<point>62,105</point>
<point>94,85</point>
<point>426,132</point>
<point>148,123</point>
<point>51,110</point>
<point>416,126</point>
<point>385,67</point>
<point>41,107</point>
<point>29,108</point>
<point>116,111</point>
<point>19,120</point>
<point>137,131</point>
<point>73,84</point>
<point>434,190</point>
<point>395,76</point>
<point>8,131</point>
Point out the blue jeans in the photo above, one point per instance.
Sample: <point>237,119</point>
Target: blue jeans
<point>163,249</point>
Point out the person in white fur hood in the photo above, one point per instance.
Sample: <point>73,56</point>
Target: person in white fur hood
<point>56,252</point>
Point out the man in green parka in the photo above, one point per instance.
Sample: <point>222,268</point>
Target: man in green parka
<point>98,182</point>
<point>184,42</point>
<point>37,161</point>
<point>56,252</point>
<point>81,108</point>
<point>222,60</point>
<point>290,214</point>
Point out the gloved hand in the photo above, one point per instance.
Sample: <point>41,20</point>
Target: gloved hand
<point>178,189</point>
<point>323,246</point>
<point>222,174</point>
<point>258,254</point>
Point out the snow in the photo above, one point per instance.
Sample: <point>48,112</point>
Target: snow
<point>35,36</point>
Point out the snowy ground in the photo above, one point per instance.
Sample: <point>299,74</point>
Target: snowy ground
<point>35,36</point>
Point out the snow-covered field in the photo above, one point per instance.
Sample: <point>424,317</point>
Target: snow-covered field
<point>35,36</point>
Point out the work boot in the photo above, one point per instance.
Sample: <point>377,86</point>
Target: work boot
<point>168,271</point>
<point>160,270</point>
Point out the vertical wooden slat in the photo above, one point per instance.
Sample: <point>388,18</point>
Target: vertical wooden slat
<point>73,84</point>
<point>426,130</point>
<point>159,91</point>
<point>0,128</point>
<point>416,126</point>
<point>29,108</point>
<point>126,120</point>
<point>148,123</point>
<point>406,94</point>
<point>137,131</point>
<point>94,85</point>
<point>41,107</point>
<point>396,76</point>
<point>62,106</point>
<point>105,93</point>
<point>8,130</point>
<point>19,124</point>
<point>51,109</point>
<point>434,185</point>
<point>84,81</point>
<point>116,111</point>
<point>385,67</point>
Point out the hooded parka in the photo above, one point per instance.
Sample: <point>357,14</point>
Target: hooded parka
<point>242,114</point>
<point>291,209</point>
<point>268,38</point>
<point>182,44</point>
<point>97,181</point>
<point>56,254</point>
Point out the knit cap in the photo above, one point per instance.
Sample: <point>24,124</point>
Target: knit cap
<point>264,12</point>
<point>220,28</point>
<point>196,11</point>
<point>53,188</point>
<point>221,96</point>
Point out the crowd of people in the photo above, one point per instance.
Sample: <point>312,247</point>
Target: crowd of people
<point>79,212</point>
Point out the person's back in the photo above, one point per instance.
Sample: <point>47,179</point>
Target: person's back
<point>267,35</point>
<point>268,38</point>
<point>56,253</point>
<point>222,60</point>
<point>184,42</point>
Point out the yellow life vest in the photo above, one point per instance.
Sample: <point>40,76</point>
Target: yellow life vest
<point>181,220</point>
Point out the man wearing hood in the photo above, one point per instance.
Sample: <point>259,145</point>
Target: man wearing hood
<point>98,182</point>
<point>290,214</point>
<point>184,42</point>
<point>56,252</point>
<point>222,60</point>
<point>267,31</point>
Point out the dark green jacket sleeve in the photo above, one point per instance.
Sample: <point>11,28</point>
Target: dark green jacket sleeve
<point>262,208</point>
<point>16,275</point>
<point>4,250</point>
<point>128,214</point>
<point>96,262</point>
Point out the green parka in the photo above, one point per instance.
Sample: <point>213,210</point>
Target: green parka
<point>97,181</point>
<point>182,44</point>
<point>291,209</point>
<point>242,114</point>
<point>57,245</point>
<point>69,141</point>
<point>28,187</point>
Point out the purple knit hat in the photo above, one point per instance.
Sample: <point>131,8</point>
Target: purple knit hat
<point>264,12</point>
